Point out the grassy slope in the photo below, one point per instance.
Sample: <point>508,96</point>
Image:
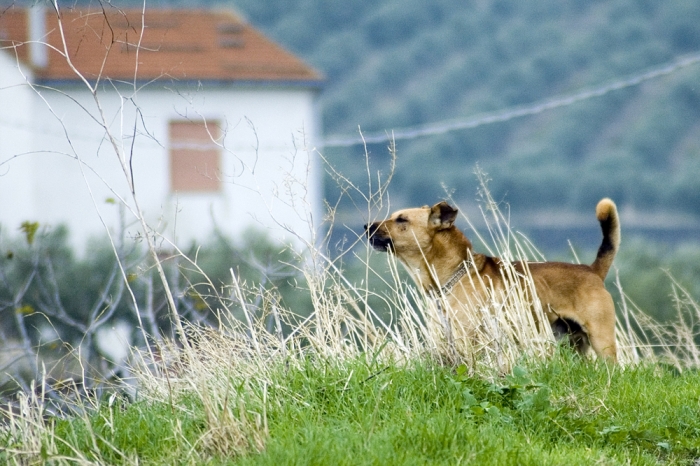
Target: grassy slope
<point>561,412</point>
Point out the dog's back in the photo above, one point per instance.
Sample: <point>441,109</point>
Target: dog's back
<point>573,296</point>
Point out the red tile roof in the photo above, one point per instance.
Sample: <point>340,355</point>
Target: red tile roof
<point>175,44</point>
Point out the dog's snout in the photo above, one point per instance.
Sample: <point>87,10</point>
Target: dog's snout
<point>377,237</point>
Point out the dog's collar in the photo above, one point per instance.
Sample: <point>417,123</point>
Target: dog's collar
<point>461,271</point>
<point>474,263</point>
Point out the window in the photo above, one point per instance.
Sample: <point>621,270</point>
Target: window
<point>194,156</point>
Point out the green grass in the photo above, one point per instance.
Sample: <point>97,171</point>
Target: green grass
<point>562,411</point>
<point>143,430</point>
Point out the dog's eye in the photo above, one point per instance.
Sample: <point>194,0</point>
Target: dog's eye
<point>401,220</point>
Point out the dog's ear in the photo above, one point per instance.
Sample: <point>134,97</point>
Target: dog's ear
<point>442,215</point>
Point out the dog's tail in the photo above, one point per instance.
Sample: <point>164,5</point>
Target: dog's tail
<point>606,211</point>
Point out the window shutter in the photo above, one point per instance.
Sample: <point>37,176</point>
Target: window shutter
<point>195,157</point>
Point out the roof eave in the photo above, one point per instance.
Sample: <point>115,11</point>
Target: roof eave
<point>316,84</point>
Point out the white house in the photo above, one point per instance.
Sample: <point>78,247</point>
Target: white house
<point>211,123</point>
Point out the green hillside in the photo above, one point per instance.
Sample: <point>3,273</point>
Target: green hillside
<point>395,64</point>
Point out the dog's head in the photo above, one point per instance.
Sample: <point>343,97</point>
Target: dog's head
<point>410,232</point>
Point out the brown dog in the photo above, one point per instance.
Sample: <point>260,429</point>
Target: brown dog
<point>440,259</point>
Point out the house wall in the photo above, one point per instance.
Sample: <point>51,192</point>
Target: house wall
<point>17,194</point>
<point>268,179</point>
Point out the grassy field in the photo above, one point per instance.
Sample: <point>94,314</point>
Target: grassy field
<point>343,385</point>
<point>341,388</point>
<point>561,412</point>
<point>362,411</point>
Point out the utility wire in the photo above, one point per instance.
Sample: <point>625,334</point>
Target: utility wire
<point>507,114</point>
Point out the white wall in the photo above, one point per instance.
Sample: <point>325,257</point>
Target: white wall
<point>17,196</point>
<point>268,134</point>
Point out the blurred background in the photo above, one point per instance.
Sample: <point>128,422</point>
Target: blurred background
<point>560,102</point>
<point>397,64</point>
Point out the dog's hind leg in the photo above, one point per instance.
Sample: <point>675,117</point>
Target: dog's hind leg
<point>601,330</point>
<point>603,342</point>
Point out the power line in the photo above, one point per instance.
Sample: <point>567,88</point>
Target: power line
<point>507,114</point>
